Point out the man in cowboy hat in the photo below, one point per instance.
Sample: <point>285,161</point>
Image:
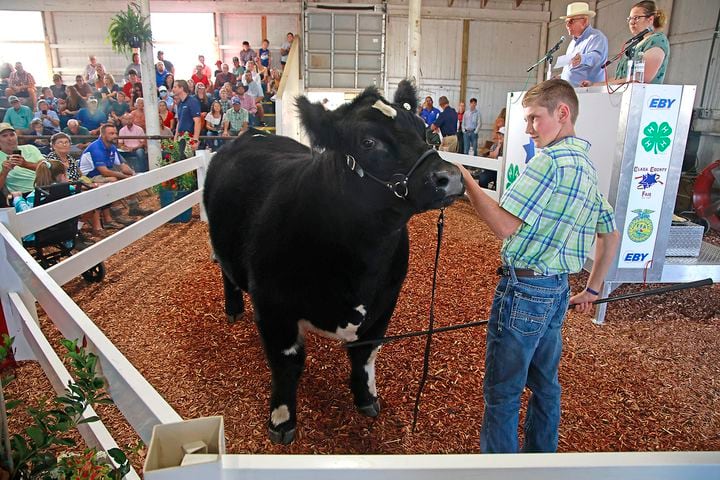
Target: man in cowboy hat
<point>588,48</point>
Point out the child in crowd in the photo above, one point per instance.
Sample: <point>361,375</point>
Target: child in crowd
<point>48,172</point>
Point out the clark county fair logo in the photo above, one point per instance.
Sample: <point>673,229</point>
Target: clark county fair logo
<point>657,137</point>
<point>641,227</point>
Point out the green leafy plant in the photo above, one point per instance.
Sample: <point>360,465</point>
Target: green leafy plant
<point>174,150</point>
<point>129,29</point>
<point>33,451</point>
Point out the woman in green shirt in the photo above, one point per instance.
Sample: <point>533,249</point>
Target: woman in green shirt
<point>654,46</point>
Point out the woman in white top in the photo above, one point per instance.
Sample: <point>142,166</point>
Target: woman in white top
<point>213,124</point>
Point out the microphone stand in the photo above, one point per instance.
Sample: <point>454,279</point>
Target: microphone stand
<point>547,58</point>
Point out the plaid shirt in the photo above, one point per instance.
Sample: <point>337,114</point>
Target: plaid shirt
<point>557,199</point>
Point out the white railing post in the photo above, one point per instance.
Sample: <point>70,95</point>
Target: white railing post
<point>201,173</point>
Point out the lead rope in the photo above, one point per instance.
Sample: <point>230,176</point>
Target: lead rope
<point>428,341</point>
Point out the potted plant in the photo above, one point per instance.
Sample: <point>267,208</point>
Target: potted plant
<point>174,150</point>
<point>129,29</point>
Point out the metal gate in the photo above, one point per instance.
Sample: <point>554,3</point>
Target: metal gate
<point>344,45</point>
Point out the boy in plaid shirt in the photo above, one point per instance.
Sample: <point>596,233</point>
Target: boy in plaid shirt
<point>548,219</point>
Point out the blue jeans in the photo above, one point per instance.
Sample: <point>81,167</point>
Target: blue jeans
<point>214,144</point>
<point>137,160</point>
<point>524,345</point>
<point>470,139</point>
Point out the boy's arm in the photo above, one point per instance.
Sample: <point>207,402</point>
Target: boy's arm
<point>606,245</point>
<point>501,222</point>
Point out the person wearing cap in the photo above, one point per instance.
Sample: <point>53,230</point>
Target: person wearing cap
<point>165,97</point>
<point>588,49</point>
<point>237,68</point>
<point>18,115</point>
<point>50,120</point>
<point>91,117</point>
<point>200,77</point>
<point>236,119</point>
<point>168,64</point>
<point>218,68</point>
<point>446,122</point>
<point>496,150</point>
<point>21,84</point>
<point>18,162</point>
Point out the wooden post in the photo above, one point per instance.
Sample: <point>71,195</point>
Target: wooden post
<point>464,61</point>
<point>414,36</point>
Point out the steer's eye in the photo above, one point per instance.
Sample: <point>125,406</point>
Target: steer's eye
<point>368,143</point>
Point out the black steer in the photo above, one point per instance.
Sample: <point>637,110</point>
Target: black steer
<point>318,237</point>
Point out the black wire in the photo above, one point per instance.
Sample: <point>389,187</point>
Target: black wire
<point>428,341</point>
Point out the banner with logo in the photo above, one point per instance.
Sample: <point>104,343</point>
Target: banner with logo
<point>656,136</point>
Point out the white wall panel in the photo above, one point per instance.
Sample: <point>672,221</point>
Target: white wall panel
<point>238,27</point>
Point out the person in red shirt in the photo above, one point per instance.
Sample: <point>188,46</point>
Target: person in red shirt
<point>132,80</point>
<point>200,77</point>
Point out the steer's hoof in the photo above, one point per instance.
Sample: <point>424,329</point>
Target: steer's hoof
<point>372,410</point>
<point>283,438</point>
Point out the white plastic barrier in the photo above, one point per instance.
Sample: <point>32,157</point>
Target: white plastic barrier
<point>479,162</point>
<point>23,281</point>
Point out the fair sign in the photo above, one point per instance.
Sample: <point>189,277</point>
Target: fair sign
<point>657,130</point>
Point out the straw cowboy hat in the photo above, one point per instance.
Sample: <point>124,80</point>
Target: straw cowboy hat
<point>578,9</point>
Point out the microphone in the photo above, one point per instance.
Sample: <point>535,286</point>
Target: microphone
<point>636,39</point>
<point>627,46</point>
<point>557,46</point>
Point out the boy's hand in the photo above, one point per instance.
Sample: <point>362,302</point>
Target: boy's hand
<point>583,301</point>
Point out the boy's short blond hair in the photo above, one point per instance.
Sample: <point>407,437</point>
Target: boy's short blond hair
<point>550,94</point>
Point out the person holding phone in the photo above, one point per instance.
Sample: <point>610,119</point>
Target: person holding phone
<point>50,119</point>
<point>18,162</point>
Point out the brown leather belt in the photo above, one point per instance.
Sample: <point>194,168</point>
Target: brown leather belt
<point>504,271</point>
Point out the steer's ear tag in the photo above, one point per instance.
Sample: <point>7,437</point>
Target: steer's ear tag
<point>406,106</point>
<point>385,109</point>
<point>359,171</point>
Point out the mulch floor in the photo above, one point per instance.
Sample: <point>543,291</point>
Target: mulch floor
<point>646,380</point>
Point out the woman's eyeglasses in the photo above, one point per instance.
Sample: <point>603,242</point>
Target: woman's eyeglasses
<point>636,18</point>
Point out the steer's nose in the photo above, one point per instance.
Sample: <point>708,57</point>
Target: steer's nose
<point>448,180</point>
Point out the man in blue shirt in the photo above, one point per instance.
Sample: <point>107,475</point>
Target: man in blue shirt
<point>102,163</point>
<point>429,113</point>
<point>187,110</point>
<point>447,122</point>
<point>91,117</point>
<point>588,49</point>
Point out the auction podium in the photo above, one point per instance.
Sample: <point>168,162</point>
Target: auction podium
<point>638,137</point>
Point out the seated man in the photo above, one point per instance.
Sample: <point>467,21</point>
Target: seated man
<point>49,119</point>
<point>74,129</point>
<point>21,84</point>
<point>91,117</point>
<point>235,120</point>
<point>101,163</point>
<point>133,149</point>
<point>83,88</point>
<point>18,115</point>
<point>18,162</point>
<point>254,89</point>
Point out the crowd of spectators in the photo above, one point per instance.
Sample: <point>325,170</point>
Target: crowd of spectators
<point>112,114</point>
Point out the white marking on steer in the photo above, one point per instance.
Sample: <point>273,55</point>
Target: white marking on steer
<point>361,309</point>
<point>385,109</point>
<point>346,334</point>
<point>280,415</point>
<point>370,370</point>
<point>293,350</point>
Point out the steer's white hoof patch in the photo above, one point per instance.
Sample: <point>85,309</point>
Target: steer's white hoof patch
<point>280,415</point>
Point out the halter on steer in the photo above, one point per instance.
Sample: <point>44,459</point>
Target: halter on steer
<point>398,183</point>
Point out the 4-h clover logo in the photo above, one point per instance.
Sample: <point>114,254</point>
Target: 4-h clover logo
<point>512,175</point>
<point>658,137</point>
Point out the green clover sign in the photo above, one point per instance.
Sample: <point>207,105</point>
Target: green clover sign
<point>513,173</point>
<point>658,137</point>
